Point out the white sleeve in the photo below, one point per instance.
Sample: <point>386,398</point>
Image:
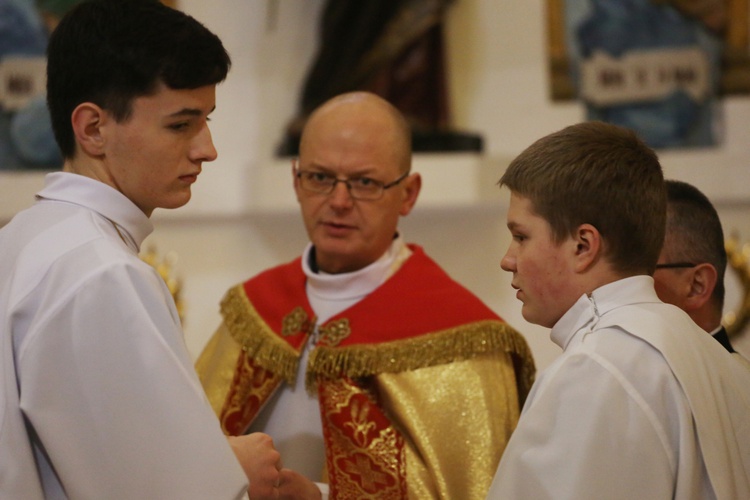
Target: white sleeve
<point>110,390</point>
<point>585,435</point>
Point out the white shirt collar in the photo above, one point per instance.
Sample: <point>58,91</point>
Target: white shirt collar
<point>589,308</point>
<point>357,283</point>
<point>111,204</point>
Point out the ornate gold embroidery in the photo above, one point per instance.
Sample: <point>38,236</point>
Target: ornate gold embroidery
<point>359,424</point>
<point>251,387</point>
<point>370,475</point>
<point>334,332</point>
<point>295,322</point>
<point>364,453</point>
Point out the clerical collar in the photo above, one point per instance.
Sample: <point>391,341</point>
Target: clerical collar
<point>358,283</point>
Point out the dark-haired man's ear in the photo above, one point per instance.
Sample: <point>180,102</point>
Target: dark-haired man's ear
<point>588,247</point>
<point>702,284</point>
<point>87,120</point>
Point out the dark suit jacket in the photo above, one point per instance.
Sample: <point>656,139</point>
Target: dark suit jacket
<point>723,339</point>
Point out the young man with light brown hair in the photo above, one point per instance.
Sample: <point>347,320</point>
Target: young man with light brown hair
<point>641,403</point>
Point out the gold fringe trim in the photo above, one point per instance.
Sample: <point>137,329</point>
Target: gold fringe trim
<point>260,343</point>
<point>455,344</point>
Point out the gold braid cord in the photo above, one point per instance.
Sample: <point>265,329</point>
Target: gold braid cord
<point>463,342</point>
<point>269,351</point>
<point>244,362</point>
<point>260,343</point>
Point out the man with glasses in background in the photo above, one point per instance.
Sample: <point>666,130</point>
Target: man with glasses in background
<point>371,368</point>
<point>692,262</point>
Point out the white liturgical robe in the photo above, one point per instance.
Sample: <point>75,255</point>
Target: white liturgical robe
<point>641,404</point>
<point>99,396</point>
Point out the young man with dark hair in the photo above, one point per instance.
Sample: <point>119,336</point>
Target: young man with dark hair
<point>99,396</point>
<point>641,403</point>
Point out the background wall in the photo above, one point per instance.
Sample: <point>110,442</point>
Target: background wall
<point>498,81</point>
<point>243,217</point>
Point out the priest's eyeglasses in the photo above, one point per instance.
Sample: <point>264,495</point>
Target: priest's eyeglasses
<point>675,265</point>
<point>360,188</point>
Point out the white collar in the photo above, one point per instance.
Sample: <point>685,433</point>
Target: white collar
<point>589,308</point>
<point>358,283</point>
<point>128,219</point>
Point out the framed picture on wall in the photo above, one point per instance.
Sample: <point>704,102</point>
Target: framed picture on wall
<point>655,66</point>
<point>729,19</point>
<point>26,139</point>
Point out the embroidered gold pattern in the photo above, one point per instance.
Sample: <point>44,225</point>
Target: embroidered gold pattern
<point>359,424</point>
<point>361,465</point>
<point>331,334</point>
<point>251,387</point>
<point>295,322</point>
<point>364,453</point>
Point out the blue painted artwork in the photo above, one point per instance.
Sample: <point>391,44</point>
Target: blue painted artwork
<point>647,67</point>
<point>26,138</point>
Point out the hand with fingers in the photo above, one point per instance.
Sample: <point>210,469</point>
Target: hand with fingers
<point>261,462</point>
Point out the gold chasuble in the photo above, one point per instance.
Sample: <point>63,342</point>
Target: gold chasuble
<point>420,384</point>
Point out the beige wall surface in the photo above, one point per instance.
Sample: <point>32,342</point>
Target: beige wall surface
<point>243,216</point>
<point>498,87</point>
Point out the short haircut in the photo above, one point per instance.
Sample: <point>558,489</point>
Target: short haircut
<point>599,174</point>
<point>109,52</point>
<point>694,232</point>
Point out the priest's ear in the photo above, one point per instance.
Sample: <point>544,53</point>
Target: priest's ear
<point>412,186</point>
<point>703,278</point>
<point>88,121</point>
